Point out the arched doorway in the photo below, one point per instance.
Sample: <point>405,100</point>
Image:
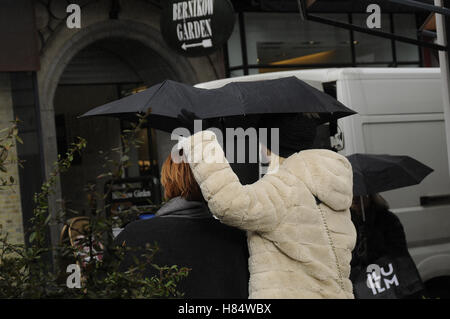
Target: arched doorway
<point>134,51</point>
<point>104,71</point>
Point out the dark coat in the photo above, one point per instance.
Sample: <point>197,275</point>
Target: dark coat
<point>385,237</point>
<point>216,253</point>
<point>384,234</point>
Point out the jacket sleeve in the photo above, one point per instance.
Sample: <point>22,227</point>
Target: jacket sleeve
<point>254,207</point>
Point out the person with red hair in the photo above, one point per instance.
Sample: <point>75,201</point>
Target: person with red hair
<point>188,236</point>
<point>178,181</point>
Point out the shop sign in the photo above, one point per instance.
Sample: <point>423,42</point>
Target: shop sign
<point>197,27</point>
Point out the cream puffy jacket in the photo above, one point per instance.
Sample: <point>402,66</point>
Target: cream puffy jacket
<point>299,231</point>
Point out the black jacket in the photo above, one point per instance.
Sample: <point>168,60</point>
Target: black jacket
<point>384,235</point>
<point>216,253</point>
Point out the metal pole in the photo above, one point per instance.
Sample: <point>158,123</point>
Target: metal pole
<point>443,35</point>
<point>363,211</point>
<point>243,38</point>
<point>424,6</point>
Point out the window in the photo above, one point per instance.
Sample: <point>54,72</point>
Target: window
<point>405,25</point>
<point>369,48</point>
<point>284,39</point>
<point>269,42</point>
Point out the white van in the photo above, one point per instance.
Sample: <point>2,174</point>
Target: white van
<point>400,112</point>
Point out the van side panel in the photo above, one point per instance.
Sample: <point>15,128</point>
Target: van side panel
<point>404,116</point>
<point>391,121</point>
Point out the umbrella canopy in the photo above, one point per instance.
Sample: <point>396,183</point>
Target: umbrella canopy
<point>163,102</point>
<point>379,173</point>
<point>286,95</point>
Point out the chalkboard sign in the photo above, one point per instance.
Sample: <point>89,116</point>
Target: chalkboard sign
<point>197,27</point>
<point>139,194</point>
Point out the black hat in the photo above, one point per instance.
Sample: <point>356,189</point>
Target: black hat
<point>296,131</point>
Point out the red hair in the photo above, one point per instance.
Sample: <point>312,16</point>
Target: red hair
<point>178,180</point>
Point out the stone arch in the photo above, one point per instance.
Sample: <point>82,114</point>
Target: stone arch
<point>65,43</point>
<point>48,77</point>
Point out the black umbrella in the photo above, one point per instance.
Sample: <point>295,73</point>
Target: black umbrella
<point>164,102</point>
<point>379,173</point>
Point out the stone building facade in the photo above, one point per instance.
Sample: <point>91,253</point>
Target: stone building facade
<point>129,32</point>
<point>10,204</point>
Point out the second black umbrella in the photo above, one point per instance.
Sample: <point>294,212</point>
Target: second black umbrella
<point>379,173</point>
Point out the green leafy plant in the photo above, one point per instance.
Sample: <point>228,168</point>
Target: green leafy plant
<point>39,270</point>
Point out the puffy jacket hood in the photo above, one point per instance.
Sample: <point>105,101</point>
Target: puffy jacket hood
<point>328,175</point>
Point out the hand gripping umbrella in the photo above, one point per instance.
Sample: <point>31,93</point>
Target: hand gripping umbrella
<point>164,102</point>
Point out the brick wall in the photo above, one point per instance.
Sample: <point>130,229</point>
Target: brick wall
<point>10,205</point>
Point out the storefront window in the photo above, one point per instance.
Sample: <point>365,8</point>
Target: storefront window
<point>405,25</point>
<point>372,49</point>
<point>283,38</point>
<point>270,42</point>
<point>143,156</point>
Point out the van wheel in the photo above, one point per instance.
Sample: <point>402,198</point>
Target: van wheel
<point>438,287</point>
